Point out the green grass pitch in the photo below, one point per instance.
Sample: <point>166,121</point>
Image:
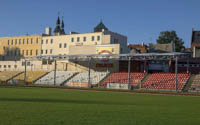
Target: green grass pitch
<point>42,106</point>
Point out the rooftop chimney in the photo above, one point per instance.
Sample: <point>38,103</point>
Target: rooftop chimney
<point>48,31</point>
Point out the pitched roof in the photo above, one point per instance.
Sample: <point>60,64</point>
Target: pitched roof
<point>99,27</point>
<point>195,36</point>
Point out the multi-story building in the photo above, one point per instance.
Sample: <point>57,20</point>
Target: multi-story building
<point>15,48</point>
<point>84,43</point>
<point>101,41</point>
<point>195,43</point>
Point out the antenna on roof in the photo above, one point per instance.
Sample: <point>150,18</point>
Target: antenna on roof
<point>192,29</point>
<point>101,20</point>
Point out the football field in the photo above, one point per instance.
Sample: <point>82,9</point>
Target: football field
<point>50,106</point>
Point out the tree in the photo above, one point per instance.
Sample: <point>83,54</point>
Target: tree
<point>171,37</point>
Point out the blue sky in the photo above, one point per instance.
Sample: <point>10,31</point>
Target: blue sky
<point>140,20</point>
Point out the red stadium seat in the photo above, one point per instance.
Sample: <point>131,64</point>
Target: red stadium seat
<point>122,78</point>
<point>165,81</point>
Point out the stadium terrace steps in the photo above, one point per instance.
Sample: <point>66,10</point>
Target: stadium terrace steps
<point>142,81</point>
<point>82,77</point>
<point>31,76</point>
<point>165,81</point>
<point>65,82</point>
<point>122,78</point>
<point>101,81</point>
<point>61,77</point>
<point>8,75</point>
<point>195,84</point>
<point>189,82</point>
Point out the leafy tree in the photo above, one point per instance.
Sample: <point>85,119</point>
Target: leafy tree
<point>171,37</point>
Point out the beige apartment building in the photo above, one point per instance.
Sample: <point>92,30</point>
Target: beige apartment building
<point>101,41</point>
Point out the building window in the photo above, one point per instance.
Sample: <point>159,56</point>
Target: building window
<point>51,51</point>
<point>27,52</point>
<point>121,50</point>
<point>51,41</point>
<point>23,41</point>
<point>116,41</point>
<point>19,41</point>
<point>11,53</point>
<point>78,39</point>
<point>36,52</point>
<point>92,38</point>
<point>41,51</point>
<point>18,52</point>
<point>23,63</point>
<point>9,66</point>
<point>31,41</point>
<point>8,42</point>
<point>28,63</point>
<point>37,40</point>
<point>23,52</point>
<point>27,41</point>
<point>72,39</point>
<point>41,41</point>
<point>15,66</point>
<point>15,52</point>
<point>31,52</point>
<point>12,42</point>
<point>4,66</point>
<point>65,45</point>
<point>112,49</point>
<point>46,51</point>
<point>60,45</point>
<point>98,38</point>
<point>84,38</point>
<point>16,42</point>
<point>0,66</point>
<point>46,41</point>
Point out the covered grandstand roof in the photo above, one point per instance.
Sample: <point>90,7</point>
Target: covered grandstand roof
<point>143,56</point>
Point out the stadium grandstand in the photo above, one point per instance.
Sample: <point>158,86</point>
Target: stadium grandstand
<point>96,59</point>
<point>133,78</point>
<point>134,74</point>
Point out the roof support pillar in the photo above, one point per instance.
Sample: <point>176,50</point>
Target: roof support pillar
<point>89,82</point>
<point>176,73</point>
<point>188,65</point>
<point>25,72</point>
<point>55,68</point>
<point>129,69</point>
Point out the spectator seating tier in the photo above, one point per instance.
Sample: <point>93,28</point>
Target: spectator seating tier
<point>31,76</point>
<point>82,77</point>
<point>122,78</point>
<point>166,81</point>
<point>6,75</point>
<point>61,76</point>
<point>195,85</point>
